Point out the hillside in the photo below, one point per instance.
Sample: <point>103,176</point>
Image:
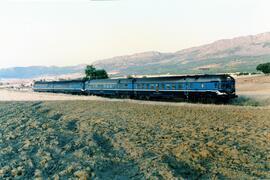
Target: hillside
<point>228,55</point>
<point>38,71</point>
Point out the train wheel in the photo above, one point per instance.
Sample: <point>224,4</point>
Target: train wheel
<point>140,97</point>
<point>211,100</point>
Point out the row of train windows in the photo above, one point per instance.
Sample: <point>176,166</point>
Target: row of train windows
<point>57,85</point>
<point>108,86</point>
<point>159,86</point>
<point>44,86</point>
<point>172,86</point>
<point>67,86</point>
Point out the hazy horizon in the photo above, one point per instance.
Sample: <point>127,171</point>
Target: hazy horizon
<point>63,33</point>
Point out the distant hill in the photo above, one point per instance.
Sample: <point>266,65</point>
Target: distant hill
<point>38,71</point>
<point>227,55</point>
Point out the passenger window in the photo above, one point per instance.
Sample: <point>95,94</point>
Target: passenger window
<point>152,86</point>
<point>173,86</point>
<point>223,86</point>
<point>162,86</point>
<point>168,86</point>
<point>180,86</point>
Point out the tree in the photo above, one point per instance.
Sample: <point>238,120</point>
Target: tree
<point>101,74</point>
<point>92,73</point>
<point>265,68</point>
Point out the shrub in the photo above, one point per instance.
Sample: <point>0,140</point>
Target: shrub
<point>92,73</point>
<point>265,68</point>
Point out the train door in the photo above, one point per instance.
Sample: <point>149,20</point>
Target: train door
<point>187,89</point>
<point>157,88</point>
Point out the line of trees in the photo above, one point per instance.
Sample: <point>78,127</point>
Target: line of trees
<point>92,73</point>
<point>265,68</point>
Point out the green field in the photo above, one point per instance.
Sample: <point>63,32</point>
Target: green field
<point>121,140</point>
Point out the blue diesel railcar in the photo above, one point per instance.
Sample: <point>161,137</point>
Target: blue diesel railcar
<point>187,87</point>
<point>67,86</point>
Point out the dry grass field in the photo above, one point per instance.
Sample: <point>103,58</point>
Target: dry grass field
<point>121,140</point>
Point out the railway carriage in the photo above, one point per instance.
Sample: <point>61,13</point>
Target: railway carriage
<point>67,86</point>
<point>43,86</point>
<point>110,87</point>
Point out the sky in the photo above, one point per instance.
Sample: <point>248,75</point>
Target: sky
<point>71,32</point>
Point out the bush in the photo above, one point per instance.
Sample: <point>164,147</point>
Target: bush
<point>92,73</point>
<point>265,68</point>
<point>245,101</point>
<point>243,73</point>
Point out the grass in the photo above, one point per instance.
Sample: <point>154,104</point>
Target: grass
<point>246,101</point>
<point>121,140</point>
<point>255,101</point>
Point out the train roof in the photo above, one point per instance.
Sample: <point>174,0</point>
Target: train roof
<point>205,77</point>
<point>61,81</point>
<point>121,80</point>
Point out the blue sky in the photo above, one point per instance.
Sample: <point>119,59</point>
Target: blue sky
<point>68,32</point>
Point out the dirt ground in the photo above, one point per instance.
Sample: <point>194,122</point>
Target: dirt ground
<point>15,95</point>
<point>251,85</point>
<point>256,87</point>
<point>120,140</point>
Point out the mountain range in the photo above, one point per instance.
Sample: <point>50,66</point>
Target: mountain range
<point>39,71</point>
<point>228,55</point>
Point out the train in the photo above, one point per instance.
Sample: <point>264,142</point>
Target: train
<point>215,87</point>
